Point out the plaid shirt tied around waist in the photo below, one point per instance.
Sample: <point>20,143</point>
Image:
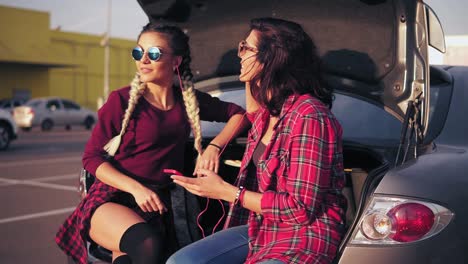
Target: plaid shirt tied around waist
<point>73,233</point>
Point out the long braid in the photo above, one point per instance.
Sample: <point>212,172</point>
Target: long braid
<point>191,104</point>
<point>136,91</point>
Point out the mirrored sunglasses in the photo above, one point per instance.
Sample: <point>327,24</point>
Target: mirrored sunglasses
<point>243,47</point>
<point>154,53</point>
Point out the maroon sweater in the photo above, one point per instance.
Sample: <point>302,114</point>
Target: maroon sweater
<point>154,139</point>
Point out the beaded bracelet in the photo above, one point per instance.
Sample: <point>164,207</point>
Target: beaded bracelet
<point>239,191</point>
<point>216,146</point>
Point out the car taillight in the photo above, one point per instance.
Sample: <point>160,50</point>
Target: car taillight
<point>389,220</point>
<point>410,221</point>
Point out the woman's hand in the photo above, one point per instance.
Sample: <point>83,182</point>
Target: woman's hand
<point>148,200</point>
<point>209,160</point>
<point>208,185</point>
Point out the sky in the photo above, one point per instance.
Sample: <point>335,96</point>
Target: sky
<point>90,16</point>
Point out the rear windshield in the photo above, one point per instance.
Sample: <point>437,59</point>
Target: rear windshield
<point>211,129</point>
<point>361,121</point>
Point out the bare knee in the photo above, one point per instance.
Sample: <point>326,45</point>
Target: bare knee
<point>109,222</point>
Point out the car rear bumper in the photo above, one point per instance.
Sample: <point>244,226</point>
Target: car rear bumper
<point>23,123</point>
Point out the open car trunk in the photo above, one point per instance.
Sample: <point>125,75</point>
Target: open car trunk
<point>364,168</point>
<point>374,49</point>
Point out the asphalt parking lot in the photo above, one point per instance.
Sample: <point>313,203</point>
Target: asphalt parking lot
<point>38,181</point>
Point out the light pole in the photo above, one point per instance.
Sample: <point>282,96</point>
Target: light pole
<point>106,42</point>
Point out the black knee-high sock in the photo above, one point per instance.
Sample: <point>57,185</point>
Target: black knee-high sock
<point>142,244</point>
<point>124,259</point>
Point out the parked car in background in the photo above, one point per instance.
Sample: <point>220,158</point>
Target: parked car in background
<point>10,103</point>
<point>8,129</point>
<point>48,112</point>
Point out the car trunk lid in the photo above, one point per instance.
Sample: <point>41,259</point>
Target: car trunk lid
<point>373,49</point>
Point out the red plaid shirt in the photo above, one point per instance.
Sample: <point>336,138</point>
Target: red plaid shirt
<point>301,177</point>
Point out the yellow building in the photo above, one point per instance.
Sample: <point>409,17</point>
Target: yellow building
<point>36,61</point>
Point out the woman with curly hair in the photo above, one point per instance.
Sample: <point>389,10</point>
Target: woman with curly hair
<point>287,205</point>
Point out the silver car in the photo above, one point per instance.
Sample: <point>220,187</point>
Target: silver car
<point>405,128</point>
<point>48,112</point>
<point>8,129</point>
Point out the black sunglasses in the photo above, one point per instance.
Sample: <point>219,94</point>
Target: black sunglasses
<point>243,47</point>
<point>154,53</point>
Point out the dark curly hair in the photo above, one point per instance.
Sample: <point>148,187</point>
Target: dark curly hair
<point>291,64</point>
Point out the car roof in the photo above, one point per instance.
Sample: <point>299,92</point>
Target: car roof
<point>367,46</point>
<point>46,98</point>
<point>49,98</point>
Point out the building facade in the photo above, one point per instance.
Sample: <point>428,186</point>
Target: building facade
<point>37,61</point>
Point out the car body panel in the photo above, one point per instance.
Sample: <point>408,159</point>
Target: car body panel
<point>428,251</point>
<point>8,129</point>
<point>438,176</point>
<point>424,176</point>
<point>454,130</point>
<point>76,113</point>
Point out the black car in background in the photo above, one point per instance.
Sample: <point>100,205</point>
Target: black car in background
<point>405,134</point>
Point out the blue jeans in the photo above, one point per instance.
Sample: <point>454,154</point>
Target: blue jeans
<point>229,246</point>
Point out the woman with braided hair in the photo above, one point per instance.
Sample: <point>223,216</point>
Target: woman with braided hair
<point>144,128</point>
